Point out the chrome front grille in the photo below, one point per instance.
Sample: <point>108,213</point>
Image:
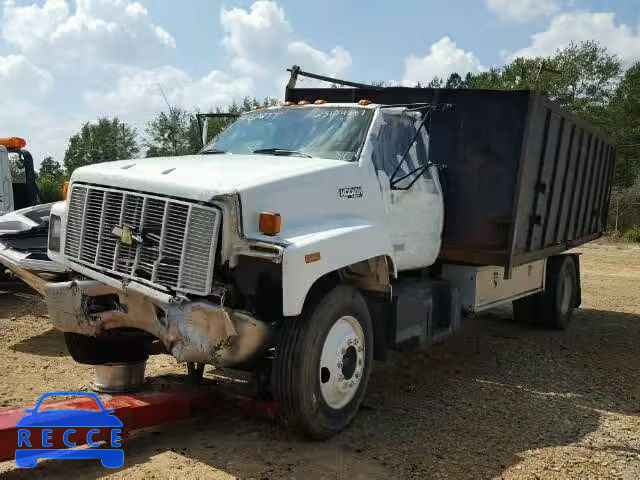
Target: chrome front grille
<point>174,241</point>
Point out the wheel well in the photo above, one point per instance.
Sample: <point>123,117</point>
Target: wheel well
<point>261,281</point>
<point>372,278</point>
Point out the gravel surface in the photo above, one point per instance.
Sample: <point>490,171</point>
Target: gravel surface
<point>497,400</point>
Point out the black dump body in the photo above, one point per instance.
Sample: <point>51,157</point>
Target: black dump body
<point>525,178</point>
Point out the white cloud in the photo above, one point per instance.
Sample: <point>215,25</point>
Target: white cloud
<point>96,33</point>
<point>331,63</point>
<point>46,132</point>
<point>580,26</point>
<point>522,11</point>
<point>254,37</point>
<point>138,96</point>
<point>18,74</point>
<point>113,56</point>
<point>444,58</point>
<point>260,43</point>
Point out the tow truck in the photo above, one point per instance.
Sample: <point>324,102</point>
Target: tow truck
<point>15,194</point>
<point>24,222</point>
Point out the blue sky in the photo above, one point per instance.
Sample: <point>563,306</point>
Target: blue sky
<point>63,62</point>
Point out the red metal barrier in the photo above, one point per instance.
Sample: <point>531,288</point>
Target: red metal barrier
<point>138,411</point>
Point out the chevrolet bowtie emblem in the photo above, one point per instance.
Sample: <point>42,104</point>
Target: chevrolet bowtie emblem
<point>124,233</point>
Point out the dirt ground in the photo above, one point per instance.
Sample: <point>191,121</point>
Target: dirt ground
<point>498,400</point>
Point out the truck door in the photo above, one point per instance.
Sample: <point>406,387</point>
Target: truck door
<point>6,188</point>
<point>414,208</point>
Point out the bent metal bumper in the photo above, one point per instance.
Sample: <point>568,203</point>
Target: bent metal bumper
<point>197,331</point>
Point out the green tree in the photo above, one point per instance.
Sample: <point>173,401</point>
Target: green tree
<point>454,81</point>
<point>175,133</point>
<point>586,79</point>
<point>50,188</point>
<point>580,76</point>
<point>178,133</point>
<point>49,167</point>
<point>103,141</point>
<point>623,120</point>
<point>436,82</point>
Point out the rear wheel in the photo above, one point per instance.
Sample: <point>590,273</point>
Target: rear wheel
<point>554,307</point>
<point>322,363</point>
<point>560,292</point>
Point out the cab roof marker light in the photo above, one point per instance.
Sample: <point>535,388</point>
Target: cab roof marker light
<point>303,102</point>
<point>364,102</point>
<point>320,101</point>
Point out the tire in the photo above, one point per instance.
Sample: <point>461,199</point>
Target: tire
<point>112,347</point>
<point>554,307</point>
<point>314,395</point>
<point>560,292</point>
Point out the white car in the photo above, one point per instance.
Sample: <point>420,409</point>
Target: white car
<point>23,239</point>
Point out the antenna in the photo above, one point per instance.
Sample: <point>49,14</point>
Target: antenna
<point>165,99</point>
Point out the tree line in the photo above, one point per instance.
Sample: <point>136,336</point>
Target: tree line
<point>171,133</point>
<point>583,77</point>
<point>586,79</point>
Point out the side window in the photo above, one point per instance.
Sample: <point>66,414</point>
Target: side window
<point>422,151</point>
<point>395,135</point>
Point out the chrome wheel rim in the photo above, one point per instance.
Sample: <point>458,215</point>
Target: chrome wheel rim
<point>342,362</point>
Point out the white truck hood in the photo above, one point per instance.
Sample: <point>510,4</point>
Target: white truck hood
<point>201,177</point>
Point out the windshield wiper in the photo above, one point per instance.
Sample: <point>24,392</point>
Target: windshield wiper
<point>212,151</point>
<point>281,151</point>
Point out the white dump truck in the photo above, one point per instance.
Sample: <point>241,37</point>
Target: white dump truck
<point>307,239</point>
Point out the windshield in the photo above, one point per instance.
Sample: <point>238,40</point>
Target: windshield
<point>325,132</point>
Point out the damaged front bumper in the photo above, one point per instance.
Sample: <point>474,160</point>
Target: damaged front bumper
<point>197,331</point>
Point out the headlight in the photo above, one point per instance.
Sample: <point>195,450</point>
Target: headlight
<point>55,232</point>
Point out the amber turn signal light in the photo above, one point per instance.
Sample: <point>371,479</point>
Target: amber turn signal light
<point>270,223</point>
<point>65,190</point>
<point>15,143</point>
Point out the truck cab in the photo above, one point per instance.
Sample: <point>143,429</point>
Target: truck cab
<point>306,239</point>
<point>16,193</point>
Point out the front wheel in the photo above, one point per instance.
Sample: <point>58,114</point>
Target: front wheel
<point>322,363</point>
